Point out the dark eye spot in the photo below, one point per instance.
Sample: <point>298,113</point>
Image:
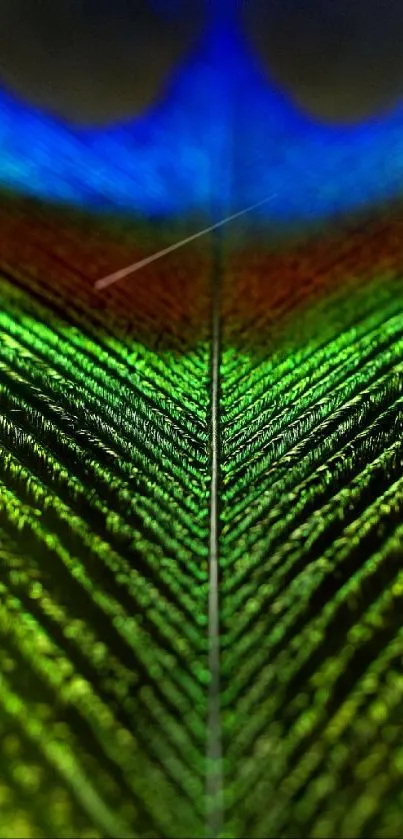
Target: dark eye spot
<point>94,61</point>
<point>340,60</point>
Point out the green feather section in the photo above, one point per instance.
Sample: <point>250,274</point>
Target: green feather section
<point>104,534</point>
<point>105,528</point>
<point>312,565</point>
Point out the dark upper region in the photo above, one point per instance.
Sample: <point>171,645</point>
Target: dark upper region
<point>94,61</point>
<point>340,60</point>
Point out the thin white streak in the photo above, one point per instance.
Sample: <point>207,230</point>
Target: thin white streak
<point>131,269</point>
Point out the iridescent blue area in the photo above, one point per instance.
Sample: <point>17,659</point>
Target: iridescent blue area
<point>221,126</point>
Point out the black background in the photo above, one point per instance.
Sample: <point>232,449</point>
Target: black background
<point>97,60</point>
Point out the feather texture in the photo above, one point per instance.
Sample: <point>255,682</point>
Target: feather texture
<point>104,534</point>
<point>105,481</point>
<point>312,541</point>
<point>270,374</point>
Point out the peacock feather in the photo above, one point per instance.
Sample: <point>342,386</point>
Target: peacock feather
<point>201,489</point>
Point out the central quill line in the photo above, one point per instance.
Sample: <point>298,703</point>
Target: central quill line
<point>132,269</point>
<point>214,773</point>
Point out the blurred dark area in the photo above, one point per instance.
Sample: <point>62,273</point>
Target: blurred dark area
<point>341,60</point>
<point>95,61</point>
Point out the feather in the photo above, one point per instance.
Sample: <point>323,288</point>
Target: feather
<point>200,474</point>
<point>311,541</point>
<point>109,724</point>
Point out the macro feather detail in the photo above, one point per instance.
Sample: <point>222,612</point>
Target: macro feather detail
<point>312,543</point>
<point>104,526</point>
<point>105,480</point>
<point>241,398</point>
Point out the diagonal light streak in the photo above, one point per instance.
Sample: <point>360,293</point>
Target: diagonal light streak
<point>131,269</point>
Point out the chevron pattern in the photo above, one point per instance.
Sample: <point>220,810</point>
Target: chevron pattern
<point>104,533</point>
<point>312,540</point>
<point>236,408</point>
